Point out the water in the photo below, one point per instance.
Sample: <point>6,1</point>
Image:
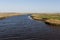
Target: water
<point>24,28</point>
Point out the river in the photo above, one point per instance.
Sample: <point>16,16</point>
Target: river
<point>24,28</point>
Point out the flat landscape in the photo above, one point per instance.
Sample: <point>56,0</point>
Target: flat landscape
<point>6,15</point>
<point>15,26</point>
<point>29,19</point>
<point>48,18</point>
<point>53,19</point>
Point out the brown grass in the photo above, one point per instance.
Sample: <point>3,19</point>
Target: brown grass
<point>6,15</point>
<point>50,18</point>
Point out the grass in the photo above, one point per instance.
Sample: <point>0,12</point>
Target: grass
<point>6,15</point>
<point>49,18</point>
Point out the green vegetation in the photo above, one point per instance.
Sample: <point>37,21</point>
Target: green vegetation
<point>47,18</point>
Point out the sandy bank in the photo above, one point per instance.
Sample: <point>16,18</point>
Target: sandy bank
<point>6,15</point>
<point>47,20</point>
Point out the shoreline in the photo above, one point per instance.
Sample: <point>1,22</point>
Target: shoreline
<point>54,22</point>
<point>6,15</point>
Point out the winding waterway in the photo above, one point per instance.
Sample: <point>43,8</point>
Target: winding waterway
<point>25,28</point>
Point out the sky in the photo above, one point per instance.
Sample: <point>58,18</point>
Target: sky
<point>35,6</point>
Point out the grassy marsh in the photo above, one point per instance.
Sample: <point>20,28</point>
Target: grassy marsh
<point>47,18</point>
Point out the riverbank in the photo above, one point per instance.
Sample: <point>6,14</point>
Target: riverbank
<point>51,19</point>
<point>6,15</point>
